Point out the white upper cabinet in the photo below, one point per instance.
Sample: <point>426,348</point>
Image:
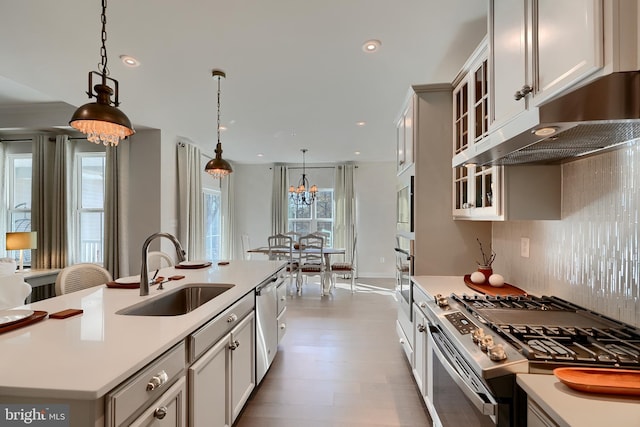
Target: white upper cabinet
<point>539,48</point>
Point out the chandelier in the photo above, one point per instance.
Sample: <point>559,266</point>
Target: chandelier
<point>303,194</point>
<point>100,121</point>
<point>218,167</point>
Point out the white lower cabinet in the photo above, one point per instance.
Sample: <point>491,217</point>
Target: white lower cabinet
<point>222,379</point>
<point>169,410</point>
<point>142,397</point>
<point>420,350</point>
<point>536,417</point>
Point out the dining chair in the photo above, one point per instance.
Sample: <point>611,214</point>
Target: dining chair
<point>13,290</point>
<point>158,259</point>
<point>311,260</point>
<point>281,248</point>
<point>326,236</point>
<point>81,276</point>
<point>347,268</point>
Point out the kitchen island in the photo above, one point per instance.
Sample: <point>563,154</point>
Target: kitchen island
<point>84,357</point>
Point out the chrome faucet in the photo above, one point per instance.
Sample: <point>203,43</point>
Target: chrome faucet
<point>144,274</point>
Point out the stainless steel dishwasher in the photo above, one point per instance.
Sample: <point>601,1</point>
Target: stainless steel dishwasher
<point>266,324</point>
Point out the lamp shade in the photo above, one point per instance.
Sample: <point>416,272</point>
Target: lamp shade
<point>22,240</point>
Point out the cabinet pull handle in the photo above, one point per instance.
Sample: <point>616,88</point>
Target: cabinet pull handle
<point>160,412</point>
<point>232,318</point>
<point>526,90</point>
<point>157,380</point>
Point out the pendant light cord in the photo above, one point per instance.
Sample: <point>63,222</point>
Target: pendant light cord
<point>103,49</point>
<point>219,108</point>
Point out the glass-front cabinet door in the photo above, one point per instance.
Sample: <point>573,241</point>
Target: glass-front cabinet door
<point>476,192</point>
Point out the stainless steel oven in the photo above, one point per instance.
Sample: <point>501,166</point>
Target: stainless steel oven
<point>458,395</point>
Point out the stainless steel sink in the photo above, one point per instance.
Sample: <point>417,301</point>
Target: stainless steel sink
<point>178,301</point>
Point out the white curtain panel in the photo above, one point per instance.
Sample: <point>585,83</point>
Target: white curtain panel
<point>190,209</point>
<point>116,252</point>
<point>279,200</point>
<point>345,209</point>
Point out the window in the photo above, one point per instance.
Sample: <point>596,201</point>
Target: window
<point>316,217</point>
<point>212,224</point>
<point>89,207</point>
<point>19,197</point>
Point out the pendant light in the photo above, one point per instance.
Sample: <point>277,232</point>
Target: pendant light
<point>100,121</point>
<point>218,167</point>
<point>303,194</point>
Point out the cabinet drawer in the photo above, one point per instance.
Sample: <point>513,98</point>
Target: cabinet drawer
<point>209,334</point>
<point>282,296</point>
<point>282,324</point>
<point>168,410</point>
<point>145,386</point>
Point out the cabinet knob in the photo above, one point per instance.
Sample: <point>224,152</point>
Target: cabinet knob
<point>160,412</point>
<point>235,344</point>
<point>157,380</point>
<point>526,90</point>
<point>283,325</point>
<point>421,328</point>
<point>422,304</point>
<point>232,318</point>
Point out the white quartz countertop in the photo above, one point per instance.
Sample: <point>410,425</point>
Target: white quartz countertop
<point>444,285</point>
<point>568,407</point>
<point>85,356</point>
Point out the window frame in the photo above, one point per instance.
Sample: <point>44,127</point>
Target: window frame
<point>78,209</point>
<point>313,220</point>
<point>206,191</point>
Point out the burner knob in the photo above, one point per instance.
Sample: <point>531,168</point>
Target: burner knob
<point>442,301</point>
<point>486,342</point>
<point>477,335</point>
<point>497,353</point>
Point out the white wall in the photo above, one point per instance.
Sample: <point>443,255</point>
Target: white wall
<point>375,188</point>
<point>375,209</point>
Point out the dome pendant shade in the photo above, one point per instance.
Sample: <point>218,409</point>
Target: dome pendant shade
<point>218,167</point>
<point>100,121</point>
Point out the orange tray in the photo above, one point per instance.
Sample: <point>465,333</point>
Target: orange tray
<point>601,380</point>
<point>35,317</point>
<point>487,289</point>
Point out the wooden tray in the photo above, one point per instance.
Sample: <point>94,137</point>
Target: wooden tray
<point>487,289</point>
<point>136,285</point>
<point>35,317</point>
<point>193,267</point>
<point>601,380</point>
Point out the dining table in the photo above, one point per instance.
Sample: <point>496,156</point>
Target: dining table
<point>327,252</point>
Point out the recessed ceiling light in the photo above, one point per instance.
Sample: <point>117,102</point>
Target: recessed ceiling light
<point>223,128</point>
<point>371,46</point>
<point>357,153</point>
<point>260,155</point>
<point>360,124</point>
<point>129,61</point>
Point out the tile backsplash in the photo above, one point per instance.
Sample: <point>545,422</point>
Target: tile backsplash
<point>591,257</point>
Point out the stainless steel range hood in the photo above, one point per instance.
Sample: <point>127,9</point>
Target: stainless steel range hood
<point>595,117</point>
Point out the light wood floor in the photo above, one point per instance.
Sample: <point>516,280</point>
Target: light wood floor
<point>339,364</point>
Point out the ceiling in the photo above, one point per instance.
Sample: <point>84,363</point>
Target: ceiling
<point>297,76</point>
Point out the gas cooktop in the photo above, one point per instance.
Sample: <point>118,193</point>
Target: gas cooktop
<point>553,331</point>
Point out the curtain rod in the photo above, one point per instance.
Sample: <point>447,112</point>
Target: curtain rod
<point>14,140</point>
<point>70,138</point>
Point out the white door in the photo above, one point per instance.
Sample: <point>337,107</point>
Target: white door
<point>208,387</point>
<point>243,373</point>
